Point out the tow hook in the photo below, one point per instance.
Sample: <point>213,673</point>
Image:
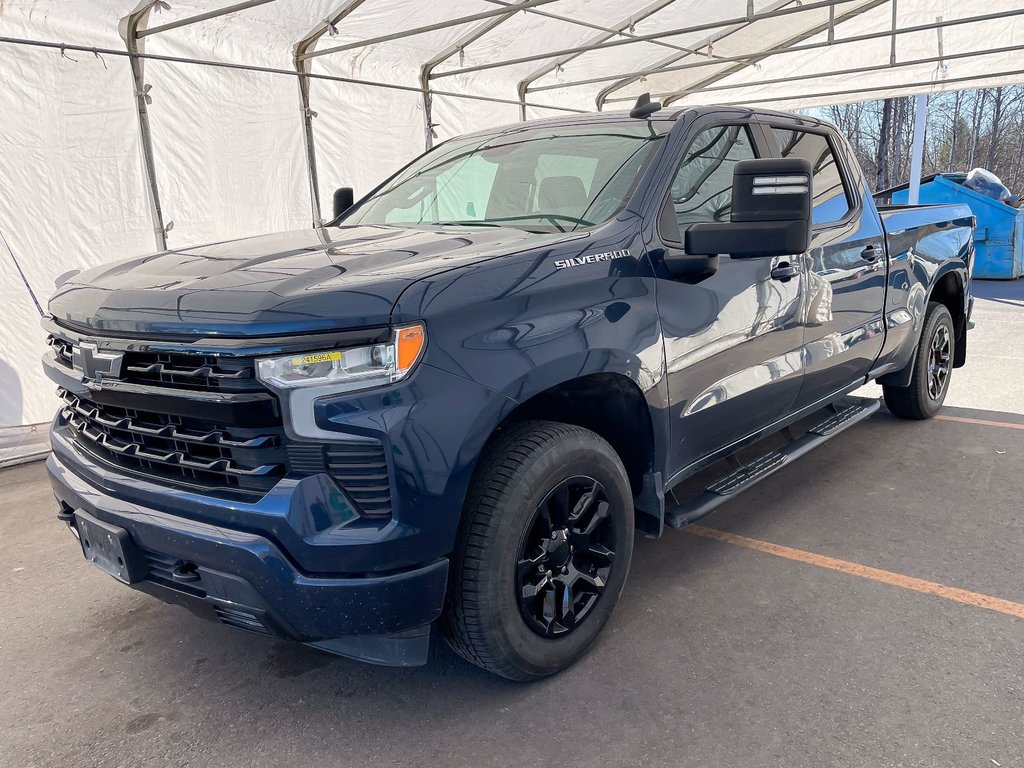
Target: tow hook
<point>66,514</point>
<point>185,573</point>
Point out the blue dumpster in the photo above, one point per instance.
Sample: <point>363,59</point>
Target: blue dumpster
<point>999,239</point>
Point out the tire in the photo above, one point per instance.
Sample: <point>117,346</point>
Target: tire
<point>527,476</point>
<point>933,366</point>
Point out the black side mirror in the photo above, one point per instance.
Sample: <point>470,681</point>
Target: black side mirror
<point>343,200</point>
<point>771,212</point>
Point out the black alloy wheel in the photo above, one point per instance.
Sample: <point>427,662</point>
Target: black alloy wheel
<point>542,552</point>
<point>565,558</point>
<point>940,359</point>
<point>922,396</point>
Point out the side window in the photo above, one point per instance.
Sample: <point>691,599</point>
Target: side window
<point>831,202</point>
<point>702,188</point>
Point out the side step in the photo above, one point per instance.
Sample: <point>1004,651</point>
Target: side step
<point>846,413</point>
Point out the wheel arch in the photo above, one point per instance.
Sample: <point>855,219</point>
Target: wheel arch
<point>613,405</point>
<point>948,288</point>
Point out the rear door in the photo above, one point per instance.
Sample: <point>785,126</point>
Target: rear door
<point>732,341</point>
<point>845,266</point>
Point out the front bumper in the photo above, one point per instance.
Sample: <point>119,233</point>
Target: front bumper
<point>246,581</point>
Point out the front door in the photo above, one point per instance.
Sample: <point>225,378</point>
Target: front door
<point>732,341</point>
<point>845,294</point>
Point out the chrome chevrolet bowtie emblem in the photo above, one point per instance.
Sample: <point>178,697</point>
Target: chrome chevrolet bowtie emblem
<point>93,364</point>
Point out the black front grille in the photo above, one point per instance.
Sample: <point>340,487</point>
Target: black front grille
<point>61,348</point>
<point>223,374</point>
<point>177,370</point>
<point>182,449</point>
<point>206,422</point>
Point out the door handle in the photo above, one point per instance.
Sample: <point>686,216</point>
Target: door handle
<point>784,272</point>
<point>871,253</point>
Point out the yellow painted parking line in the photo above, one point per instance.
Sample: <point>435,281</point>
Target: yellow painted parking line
<point>981,422</point>
<point>855,569</point>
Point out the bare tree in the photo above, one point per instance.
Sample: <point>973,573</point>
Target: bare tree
<point>964,129</point>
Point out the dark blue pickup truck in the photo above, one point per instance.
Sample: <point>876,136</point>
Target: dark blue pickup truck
<point>457,402</point>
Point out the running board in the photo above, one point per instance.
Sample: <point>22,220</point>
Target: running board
<point>846,412</point>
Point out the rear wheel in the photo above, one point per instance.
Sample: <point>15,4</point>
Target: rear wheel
<point>933,365</point>
<point>543,551</point>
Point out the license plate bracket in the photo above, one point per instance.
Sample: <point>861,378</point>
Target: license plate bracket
<point>109,547</point>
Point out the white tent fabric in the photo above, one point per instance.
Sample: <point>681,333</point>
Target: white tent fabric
<point>230,159</point>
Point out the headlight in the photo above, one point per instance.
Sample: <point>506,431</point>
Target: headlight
<point>345,370</point>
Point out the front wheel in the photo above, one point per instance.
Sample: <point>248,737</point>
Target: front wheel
<point>933,364</point>
<point>543,551</point>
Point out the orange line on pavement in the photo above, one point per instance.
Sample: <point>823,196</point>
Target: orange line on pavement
<point>866,572</point>
<point>982,422</point>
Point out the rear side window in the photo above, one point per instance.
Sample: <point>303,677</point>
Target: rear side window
<point>831,202</point>
<point>702,188</point>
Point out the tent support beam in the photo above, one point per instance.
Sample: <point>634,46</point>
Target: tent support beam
<point>824,97</point>
<point>612,31</point>
<point>523,86</point>
<point>129,28</point>
<point>202,17</point>
<point>709,41</point>
<point>938,24</point>
<point>787,45</point>
<point>917,147</point>
<point>711,25</point>
<point>840,72</point>
<point>467,39</point>
<point>895,27</point>
<point>275,71</point>
<point>423,30</point>
<point>302,67</point>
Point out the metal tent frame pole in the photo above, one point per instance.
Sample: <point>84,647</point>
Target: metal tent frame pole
<point>303,67</point>
<point>708,41</point>
<point>276,71</point>
<point>799,49</point>
<point>841,72</point>
<point>821,96</point>
<point>425,29</point>
<point>611,32</point>
<point>129,28</point>
<point>708,26</point>
<point>523,86</point>
<point>133,30</point>
<point>784,46</point>
<point>201,17</point>
<point>470,37</point>
<point>917,147</point>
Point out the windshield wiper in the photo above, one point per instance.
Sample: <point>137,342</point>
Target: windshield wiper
<point>554,218</point>
<point>469,223</point>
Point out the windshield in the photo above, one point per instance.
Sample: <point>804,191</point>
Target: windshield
<point>543,179</point>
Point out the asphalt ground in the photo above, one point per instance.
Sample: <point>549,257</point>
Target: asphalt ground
<point>763,638</point>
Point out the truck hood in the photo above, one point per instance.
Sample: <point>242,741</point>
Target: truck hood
<point>291,282</point>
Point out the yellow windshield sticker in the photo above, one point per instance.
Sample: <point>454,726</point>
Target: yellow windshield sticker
<point>319,357</point>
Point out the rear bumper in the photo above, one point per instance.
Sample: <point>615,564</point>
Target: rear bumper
<point>247,581</point>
